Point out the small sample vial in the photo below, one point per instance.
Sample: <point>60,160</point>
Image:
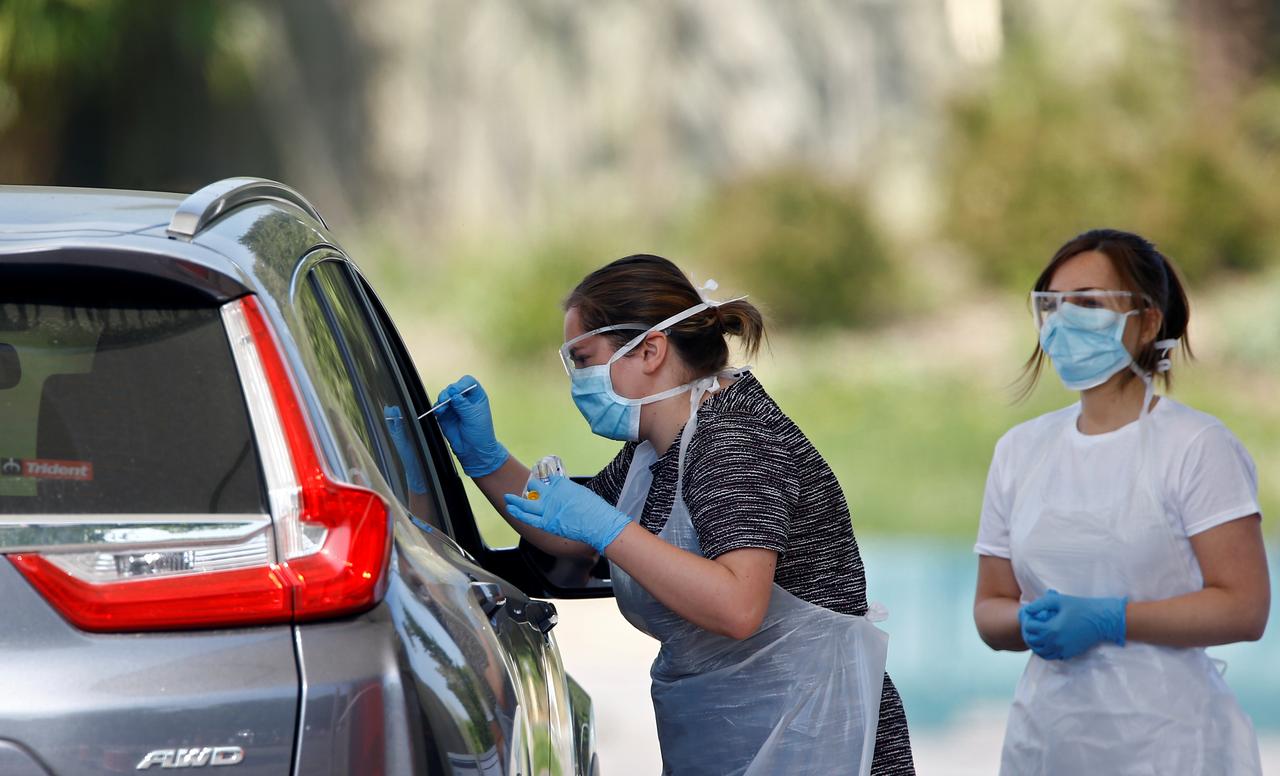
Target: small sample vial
<point>543,471</point>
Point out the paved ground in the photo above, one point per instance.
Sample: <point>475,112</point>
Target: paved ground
<point>611,660</point>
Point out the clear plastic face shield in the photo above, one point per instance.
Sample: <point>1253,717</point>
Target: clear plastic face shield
<point>1046,303</point>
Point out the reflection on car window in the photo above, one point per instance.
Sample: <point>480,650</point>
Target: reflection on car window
<point>366,389</point>
<point>410,378</point>
<point>334,383</point>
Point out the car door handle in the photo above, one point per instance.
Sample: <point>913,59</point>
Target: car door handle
<point>490,596</point>
<point>539,615</point>
<point>543,616</point>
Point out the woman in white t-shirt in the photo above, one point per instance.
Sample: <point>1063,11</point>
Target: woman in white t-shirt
<point>1119,537</point>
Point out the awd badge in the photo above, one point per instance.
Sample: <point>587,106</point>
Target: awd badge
<point>195,757</point>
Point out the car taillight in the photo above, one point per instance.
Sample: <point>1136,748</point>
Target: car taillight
<point>332,540</point>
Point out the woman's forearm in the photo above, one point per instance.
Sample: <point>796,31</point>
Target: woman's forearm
<point>997,621</point>
<point>1234,603</point>
<point>511,477</point>
<point>705,592</point>
<point>995,604</point>
<point>1204,618</point>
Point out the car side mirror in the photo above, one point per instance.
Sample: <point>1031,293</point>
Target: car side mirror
<point>553,576</point>
<point>568,577</point>
<point>542,575</point>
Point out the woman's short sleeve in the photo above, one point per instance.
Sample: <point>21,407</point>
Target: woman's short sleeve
<point>997,503</point>
<point>1216,482</point>
<point>740,485</point>
<point>608,483</point>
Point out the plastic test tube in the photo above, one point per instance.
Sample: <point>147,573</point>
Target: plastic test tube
<point>543,471</point>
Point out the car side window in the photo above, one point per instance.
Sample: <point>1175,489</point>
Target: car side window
<point>333,381</point>
<point>368,390</point>
<point>439,457</point>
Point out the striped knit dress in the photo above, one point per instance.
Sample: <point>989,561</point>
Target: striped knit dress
<point>752,479</point>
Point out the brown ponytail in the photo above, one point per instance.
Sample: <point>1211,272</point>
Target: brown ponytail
<point>648,289</point>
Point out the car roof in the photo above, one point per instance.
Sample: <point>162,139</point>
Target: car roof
<point>49,209</point>
<point>208,235</point>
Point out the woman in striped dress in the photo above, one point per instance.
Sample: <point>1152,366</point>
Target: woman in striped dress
<point>728,536</point>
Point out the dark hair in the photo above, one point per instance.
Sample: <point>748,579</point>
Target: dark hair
<point>1146,272</point>
<point>649,289</point>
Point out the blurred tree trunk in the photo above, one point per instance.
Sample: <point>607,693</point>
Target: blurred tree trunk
<point>310,85</point>
<point>1233,42</point>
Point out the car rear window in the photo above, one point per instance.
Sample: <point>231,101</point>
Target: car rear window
<point>121,409</point>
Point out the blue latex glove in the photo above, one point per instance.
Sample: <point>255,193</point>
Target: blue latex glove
<point>569,510</point>
<point>468,425</point>
<point>1034,640</point>
<point>415,477</point>
<point>1060,627</point>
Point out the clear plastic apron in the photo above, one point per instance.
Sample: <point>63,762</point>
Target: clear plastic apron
<point>1137,709</point>
<point>800,696</point>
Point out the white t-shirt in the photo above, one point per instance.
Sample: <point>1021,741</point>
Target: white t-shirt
<point>1206,477</point>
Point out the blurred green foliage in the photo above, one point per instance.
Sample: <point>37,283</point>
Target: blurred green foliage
<point>525,287</point>
<point>810,251</point>
<point>43,40</point>
<point>97,91</point>
<point>1044,152</point>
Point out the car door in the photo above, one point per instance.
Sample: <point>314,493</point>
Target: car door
<point>513,656</point>
<point>552,723</point>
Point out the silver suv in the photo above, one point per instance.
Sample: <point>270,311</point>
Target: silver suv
<point>229,545</point>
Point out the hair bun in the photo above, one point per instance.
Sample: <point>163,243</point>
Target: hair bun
<point>730,321</point>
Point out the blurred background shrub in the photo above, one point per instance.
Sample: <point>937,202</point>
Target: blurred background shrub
<point>526,323</point>
<point>1046,150</point>
<point>810,249</point>
<point>126,94</point>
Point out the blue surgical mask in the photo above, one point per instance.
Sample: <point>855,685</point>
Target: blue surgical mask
<point>610,415</point>
<point>1086,344</point>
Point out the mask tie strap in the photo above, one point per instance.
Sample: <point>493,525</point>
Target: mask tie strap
<point>700,388</point>
<point>712,285</point>
<point>1163,365</point>
<point>705,304</point>
<point>1147,395</point>
<point>662,326</point>
<point>1163,347</point>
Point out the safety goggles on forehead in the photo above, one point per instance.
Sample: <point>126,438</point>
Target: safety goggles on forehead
<point>566,350</point>
<point>1046,303</point>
